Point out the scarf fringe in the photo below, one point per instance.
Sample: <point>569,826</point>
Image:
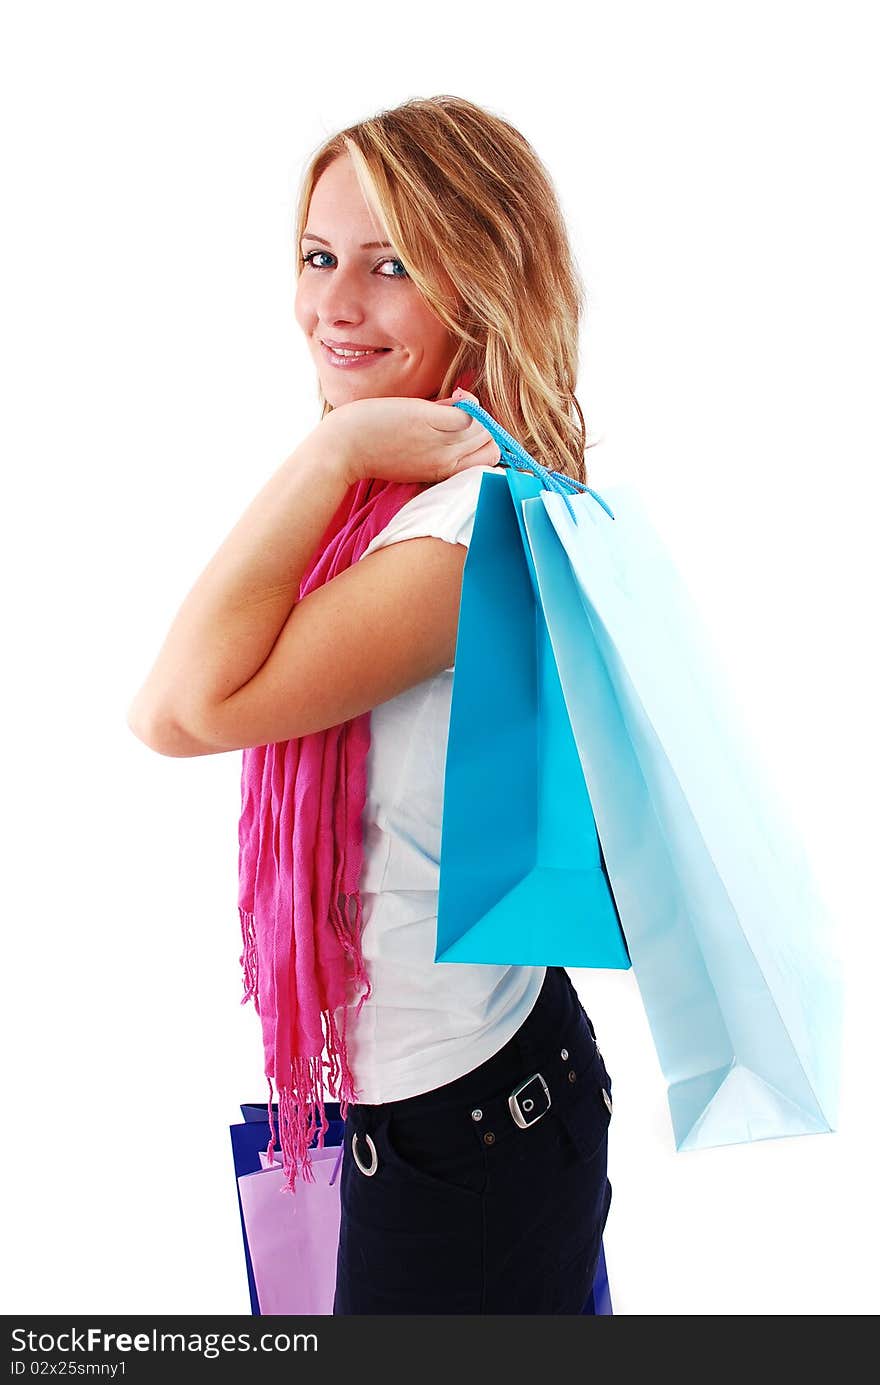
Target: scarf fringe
<point>301,1113</point>
<point>300,1103</point>
<point>248,959</point>
<point>349,938</point>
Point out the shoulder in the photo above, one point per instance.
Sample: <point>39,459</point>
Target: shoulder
<point>445,510</point>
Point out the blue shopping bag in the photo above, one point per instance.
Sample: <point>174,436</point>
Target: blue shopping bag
<point>730,943</point>
<point>598,1302</point>
<point>522,881</point>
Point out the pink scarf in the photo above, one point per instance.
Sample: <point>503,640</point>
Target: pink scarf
<point>300,860</point>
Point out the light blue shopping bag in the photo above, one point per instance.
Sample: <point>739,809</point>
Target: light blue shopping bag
<point>521,876</point>
<point>730,943</point>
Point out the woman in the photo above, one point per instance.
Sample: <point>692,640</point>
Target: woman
<point>320,640</point>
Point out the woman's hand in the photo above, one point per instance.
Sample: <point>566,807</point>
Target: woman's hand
<point>403,439</point>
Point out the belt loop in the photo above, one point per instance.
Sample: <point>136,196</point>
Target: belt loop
<point>366,1160</point>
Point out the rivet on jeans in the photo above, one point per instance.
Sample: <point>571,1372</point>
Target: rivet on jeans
<point>489,1138</point>
<point>476,1115</point>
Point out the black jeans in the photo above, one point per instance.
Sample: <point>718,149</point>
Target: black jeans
<point>450,1205</point>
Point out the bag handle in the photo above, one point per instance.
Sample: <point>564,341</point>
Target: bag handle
<point>513,452</point>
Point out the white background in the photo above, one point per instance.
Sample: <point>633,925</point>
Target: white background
<point>716,164</point>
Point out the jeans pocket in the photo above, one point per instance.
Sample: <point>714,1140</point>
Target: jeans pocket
<point>434,1160</point>
<point>587,1116</point>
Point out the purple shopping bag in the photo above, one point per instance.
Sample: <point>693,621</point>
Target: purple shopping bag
<point>290,1240</point>
<point>293,1238</point>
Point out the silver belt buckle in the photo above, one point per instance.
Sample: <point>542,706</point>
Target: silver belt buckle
<point>524,1108</point>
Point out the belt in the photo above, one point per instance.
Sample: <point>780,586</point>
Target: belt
<point>524,1106</point>
<point>531,1099</point>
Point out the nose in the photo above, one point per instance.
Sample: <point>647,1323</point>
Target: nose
<point>340,297</point>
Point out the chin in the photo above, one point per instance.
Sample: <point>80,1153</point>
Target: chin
<point>338,393</point>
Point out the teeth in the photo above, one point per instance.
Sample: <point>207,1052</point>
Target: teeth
<point>338,351</point>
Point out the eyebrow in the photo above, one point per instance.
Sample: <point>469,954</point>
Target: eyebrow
<point>367,245</point>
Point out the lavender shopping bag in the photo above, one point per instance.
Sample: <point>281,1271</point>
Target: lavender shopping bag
<point>290,1239</point>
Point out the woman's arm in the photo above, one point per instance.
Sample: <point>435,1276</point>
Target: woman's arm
<point>230,620</point>
<point>245,664</point>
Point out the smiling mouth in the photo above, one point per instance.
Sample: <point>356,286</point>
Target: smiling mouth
<point>345,352</point>
<point>345,359</point>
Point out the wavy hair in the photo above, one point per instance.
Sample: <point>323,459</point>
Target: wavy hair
<point>474,217</point>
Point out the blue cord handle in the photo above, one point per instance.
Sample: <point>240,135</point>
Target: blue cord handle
<point>512,452</point>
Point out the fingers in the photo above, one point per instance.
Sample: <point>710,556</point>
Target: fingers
<point>455,414</point>
<point>488,453</point>
<point>464,394</point>
<point>478,447</point>
<point>457,394</point>
<point>464,433</point>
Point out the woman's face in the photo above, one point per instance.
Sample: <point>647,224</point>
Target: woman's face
<point>355,295</point>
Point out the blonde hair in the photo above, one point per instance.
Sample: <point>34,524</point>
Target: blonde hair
<point>472,212</point>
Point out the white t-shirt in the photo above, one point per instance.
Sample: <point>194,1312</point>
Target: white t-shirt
<point>425,1023</point>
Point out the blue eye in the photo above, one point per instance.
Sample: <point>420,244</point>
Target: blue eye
<point>309,259</point>
<point>394,276</point>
